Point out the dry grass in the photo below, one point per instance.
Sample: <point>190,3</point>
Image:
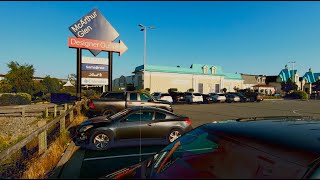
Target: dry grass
<point>39,167</point>
<point>6,141</point>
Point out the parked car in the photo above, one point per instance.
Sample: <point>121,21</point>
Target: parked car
<point>157,126</point>
<point>315,95</point>
<point>253,96</point>
<point>218,97</point>
<point>242,97</point>
<point>162,96</point>
<point>232,98</point>
<point>112,102</point>
<point>192,97</point>
<point>252,148</point>
<point>207,99</point>
<point>178,97</point>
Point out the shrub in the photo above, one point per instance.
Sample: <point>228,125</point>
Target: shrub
<point>147,89</point>
<point>90,93</point>
<point>172,90</point>
<point>144,91</point>
<point>15,99</point>
<point>299,95</point>
<point>190,90</point>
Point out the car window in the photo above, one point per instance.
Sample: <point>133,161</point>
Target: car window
<point>198,141</point>
<point>114,96</point>
<point>133,96</point>
<point>165,94</point>
<point>120,114</point>
<point>159,116</point>
<point>197,94</point>
<point>144,97</point>
<point>140,116</point>
<point>156,94</point>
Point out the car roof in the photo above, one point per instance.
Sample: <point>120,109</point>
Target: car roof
<point>295,140</point>
<point>134,108</point>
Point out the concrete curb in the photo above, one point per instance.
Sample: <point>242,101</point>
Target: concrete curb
<point>64,159</point>
<point>273,99</point>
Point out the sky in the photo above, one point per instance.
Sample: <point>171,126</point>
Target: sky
<point>243,37</point>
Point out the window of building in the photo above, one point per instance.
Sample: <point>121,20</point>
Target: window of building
<point>205,69</point>
<point>213,70</point>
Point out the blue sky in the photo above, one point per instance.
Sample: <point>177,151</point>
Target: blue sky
<point>244,37</point>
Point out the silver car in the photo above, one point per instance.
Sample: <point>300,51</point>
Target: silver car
<point>218,97</point>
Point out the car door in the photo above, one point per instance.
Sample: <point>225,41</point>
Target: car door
<point>135,125</point>
<point>145,100</point>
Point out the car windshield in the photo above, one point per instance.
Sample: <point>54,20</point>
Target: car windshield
<point>197,141</point>
<point>197,94</point>
<point>156,94</point>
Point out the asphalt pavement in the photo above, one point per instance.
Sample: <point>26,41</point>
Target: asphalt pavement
<point>94,164</point>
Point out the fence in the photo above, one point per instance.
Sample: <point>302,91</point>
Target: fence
<point>41,132</point>
<point>31,110</point>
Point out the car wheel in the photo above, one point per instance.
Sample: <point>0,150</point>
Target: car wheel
<point>108,112</point>
<point>173,135</point>
<point>100,140</point>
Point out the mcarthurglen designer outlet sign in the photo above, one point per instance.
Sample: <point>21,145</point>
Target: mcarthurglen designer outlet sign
<point>94,26</point>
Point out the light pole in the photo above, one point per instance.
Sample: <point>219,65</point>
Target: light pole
<point>144,28</point>
<point>293,62</point>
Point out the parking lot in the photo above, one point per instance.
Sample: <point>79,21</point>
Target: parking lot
<point>94,164</point>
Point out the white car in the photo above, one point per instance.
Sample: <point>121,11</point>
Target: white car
<point>162,96</point>
<point>218,97</point>
<point>193,97</point>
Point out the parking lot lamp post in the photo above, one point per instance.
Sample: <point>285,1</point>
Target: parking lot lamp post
<point>144,28</point>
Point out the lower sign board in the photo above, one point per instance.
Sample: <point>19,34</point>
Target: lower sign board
<point>94,67</point>
<point>94,81</point>
<point>94,74</point>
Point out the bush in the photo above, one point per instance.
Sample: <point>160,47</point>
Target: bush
<point>191,90</point>
<point>144,91</point>
<point>172,90</point>
<point>90,93</point>
<point>299,95</point>
<point>15,99</point>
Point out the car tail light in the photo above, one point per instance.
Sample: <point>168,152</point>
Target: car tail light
<point>91,105</point>
<point>161,96</point>
<point>188,121</point>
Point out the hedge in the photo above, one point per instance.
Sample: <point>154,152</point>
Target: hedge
<point>15,99</point>
<point>299,95</point>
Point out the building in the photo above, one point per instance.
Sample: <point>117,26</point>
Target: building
<point>284,76</point>
<point>252,80</point>
<point>308,79</point>
<point>201,78</point>
<point>2,76</point>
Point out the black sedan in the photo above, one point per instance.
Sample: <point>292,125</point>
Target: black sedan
<point>130,127</point>
<point>207,99</point>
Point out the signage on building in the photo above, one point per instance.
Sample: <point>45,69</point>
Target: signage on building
<point>94,26</point>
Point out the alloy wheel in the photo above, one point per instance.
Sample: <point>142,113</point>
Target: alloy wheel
<point>174,135</point>
<point>101,141</point>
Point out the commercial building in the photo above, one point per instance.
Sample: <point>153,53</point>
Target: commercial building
<point>201,78</point>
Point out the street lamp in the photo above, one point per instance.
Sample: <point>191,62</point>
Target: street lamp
<point>144,28</point>
<point>293,78</point>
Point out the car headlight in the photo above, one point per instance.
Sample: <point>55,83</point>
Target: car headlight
<point>85,128</point>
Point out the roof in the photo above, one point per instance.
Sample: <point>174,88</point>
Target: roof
<point>293,140</point>
<point>287,74</point>
<point>311,77</point>
<point>271,79</point>
<point>194,69</point>
<point>249,79</point>
<point>263,85</point>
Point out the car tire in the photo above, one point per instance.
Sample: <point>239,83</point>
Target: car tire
<point>173,135</point>
<point>108,112</point>
<point>100,140</point>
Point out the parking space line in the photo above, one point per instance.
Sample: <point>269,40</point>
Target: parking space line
<point>119,156</point>
<point>294,111</point>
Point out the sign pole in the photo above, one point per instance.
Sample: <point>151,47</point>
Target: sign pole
<point>110,71</point>
<point>79,55</point>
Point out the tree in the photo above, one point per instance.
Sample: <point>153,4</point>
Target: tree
<point>5,87</point>
<point>52,85</point>
<point>316,86</point>
<point>224,90</point>
<point>289,86</point>
<point>20,77</point>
